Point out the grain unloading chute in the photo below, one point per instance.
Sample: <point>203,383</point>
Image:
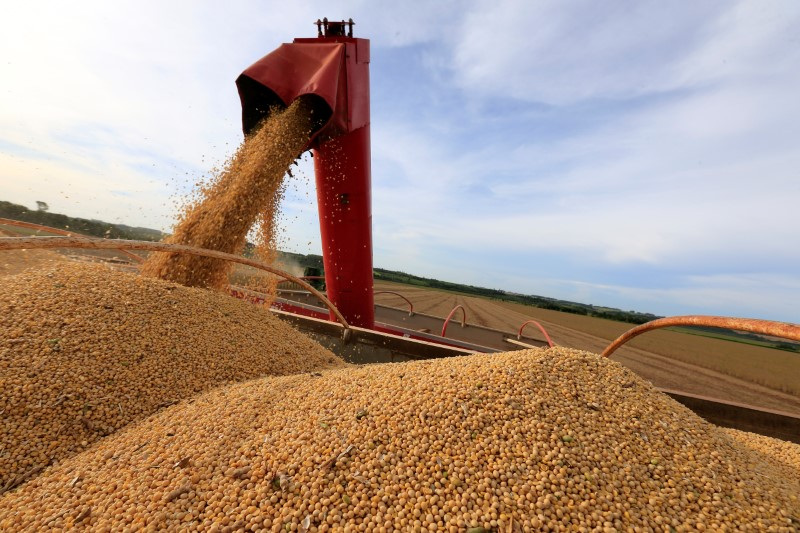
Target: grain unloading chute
<point>333,69</point>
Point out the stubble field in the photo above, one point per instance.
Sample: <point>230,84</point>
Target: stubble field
<point>716,368</point>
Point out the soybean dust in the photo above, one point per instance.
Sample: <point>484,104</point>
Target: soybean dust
<point>246,192</point>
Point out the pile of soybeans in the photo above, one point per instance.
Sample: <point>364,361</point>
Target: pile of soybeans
<point>85,350</point>
<point>536,440</point>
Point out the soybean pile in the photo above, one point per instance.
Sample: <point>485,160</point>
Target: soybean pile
<point>536,440</point>
<point>785,454</point>
<point>85,350</point>
<point>245,192</point>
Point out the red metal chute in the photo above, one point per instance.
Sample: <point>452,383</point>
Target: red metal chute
<point>334,69</point>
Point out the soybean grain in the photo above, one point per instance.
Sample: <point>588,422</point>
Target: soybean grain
<point>537,440</point>
<point>85,350</point>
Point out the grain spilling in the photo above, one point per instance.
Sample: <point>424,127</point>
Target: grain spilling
<point>85,350</point>
<point>532,440</point>
<point>245,192</point>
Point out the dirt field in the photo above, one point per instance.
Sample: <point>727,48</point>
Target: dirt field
<point>720,369</point>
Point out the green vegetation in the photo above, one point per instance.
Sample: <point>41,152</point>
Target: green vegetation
<point>94,228</point>
<point>306,261</point>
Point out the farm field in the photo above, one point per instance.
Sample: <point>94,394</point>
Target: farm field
<point>716,368</point>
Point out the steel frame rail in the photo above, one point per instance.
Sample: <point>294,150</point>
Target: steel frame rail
<point>447,320</point>
<point>541,328</point>
<point>410,305</point>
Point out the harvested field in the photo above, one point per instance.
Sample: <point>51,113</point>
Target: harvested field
<point>704,366</point>
<point>85,350</point>
<point>522,441</point>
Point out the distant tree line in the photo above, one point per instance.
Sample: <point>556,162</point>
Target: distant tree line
<point>94,228</point>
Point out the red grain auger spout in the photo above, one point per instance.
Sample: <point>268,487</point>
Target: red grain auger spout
<point>333,69</point>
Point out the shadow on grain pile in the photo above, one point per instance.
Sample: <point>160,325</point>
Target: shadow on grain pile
<point>520,441</point>
<point>85,350</point>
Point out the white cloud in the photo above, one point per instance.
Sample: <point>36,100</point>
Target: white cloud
<point>748,40</point>
<point>565,52</point>
<point>106,192</point>
<point>753,295</point>
<point>699,177</point>
<point>118,87</point>
<point>399,23</point>
<point>149,83</point>
<point>561,52</point>
<point>679,183</point>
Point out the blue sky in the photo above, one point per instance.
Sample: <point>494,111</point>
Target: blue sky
<point>641,155</point>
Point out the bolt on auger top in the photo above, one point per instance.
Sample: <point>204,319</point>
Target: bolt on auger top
<point>326,28</point>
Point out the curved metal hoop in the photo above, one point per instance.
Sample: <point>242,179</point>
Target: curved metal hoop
<point>447,320</point>
<point>410,305</point>
<point>17,243</point>
<point>752,325</point>
<point>541,328</point>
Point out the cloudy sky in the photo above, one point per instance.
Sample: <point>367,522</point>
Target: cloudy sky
<point>641,155</point>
